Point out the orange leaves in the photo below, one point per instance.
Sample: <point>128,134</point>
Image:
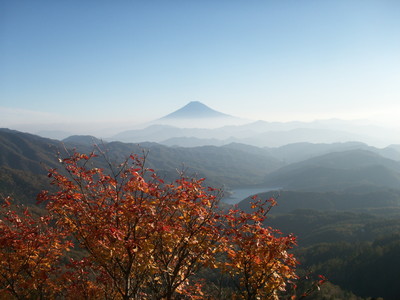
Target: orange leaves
<point>144,239</point>
<point>257,256</point>
<point>30,251</point>
<point>135,230</point>
<point>7,202</point>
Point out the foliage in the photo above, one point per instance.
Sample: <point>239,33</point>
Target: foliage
<point>141,238</point>
<point>257,259</point>
<point>30,252</point>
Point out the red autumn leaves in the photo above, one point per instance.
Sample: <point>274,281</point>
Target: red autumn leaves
<point>139,238</point>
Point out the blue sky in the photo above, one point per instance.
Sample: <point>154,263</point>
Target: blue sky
<point>100,63</point>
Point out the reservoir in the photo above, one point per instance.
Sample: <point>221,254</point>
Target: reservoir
<point>239,194</point>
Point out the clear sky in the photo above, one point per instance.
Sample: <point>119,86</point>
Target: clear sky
<point>104,62</point>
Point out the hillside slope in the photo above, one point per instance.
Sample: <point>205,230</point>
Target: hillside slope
<point>338,171</point>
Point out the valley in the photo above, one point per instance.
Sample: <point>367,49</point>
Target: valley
<point>331,195</point>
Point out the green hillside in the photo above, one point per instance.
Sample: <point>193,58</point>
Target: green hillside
<point>338,171</point>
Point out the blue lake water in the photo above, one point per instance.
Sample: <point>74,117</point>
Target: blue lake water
<point>242,193</point>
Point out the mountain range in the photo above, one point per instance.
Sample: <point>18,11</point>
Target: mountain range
<point>342,199</point>
<point>198,125</point>
<point>340,167</point>
<point>228,157</point>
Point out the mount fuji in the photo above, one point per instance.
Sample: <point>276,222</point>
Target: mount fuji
<point>195,109</point>
<point>196,114</point>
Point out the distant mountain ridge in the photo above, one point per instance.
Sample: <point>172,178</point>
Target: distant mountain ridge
<point>196,124</point>
<point>261,134</point>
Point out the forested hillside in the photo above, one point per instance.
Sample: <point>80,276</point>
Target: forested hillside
<point>24,156</point>
<point>343,204</point>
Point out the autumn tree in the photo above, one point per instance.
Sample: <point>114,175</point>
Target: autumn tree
<point>30,253</point>
<point>146,237</point>
<point>142,238</point>
<point>258,258</point>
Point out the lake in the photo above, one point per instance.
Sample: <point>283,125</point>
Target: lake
<point>242,193</point>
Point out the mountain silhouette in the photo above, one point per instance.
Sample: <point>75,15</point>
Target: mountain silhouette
<point>195,110</point>
<point>198,115</point>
